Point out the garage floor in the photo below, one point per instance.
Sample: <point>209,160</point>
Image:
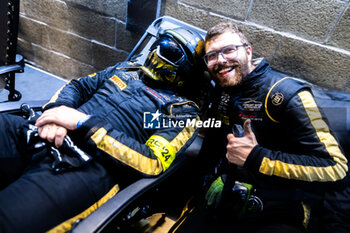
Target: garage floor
<point>34,85</point>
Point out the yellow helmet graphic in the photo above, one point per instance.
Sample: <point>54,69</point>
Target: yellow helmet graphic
<point>174,57</point>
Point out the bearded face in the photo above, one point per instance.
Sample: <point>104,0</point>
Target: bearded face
<point>229,70</point>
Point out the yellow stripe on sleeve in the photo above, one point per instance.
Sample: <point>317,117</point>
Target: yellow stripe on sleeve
<point>311,173</point>
<point>125,154</point>
<point>137,160</point>
<point>181,139</point>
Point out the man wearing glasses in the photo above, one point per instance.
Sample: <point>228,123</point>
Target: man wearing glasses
<point>284,170</point>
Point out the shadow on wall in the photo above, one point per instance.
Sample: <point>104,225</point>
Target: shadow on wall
<point>141,13</point>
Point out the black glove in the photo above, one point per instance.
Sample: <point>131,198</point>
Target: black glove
<point>68,156</point>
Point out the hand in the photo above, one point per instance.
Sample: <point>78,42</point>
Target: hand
<point>64,116</point>
<point>238,148</point>
<point>53,133</point>
<point>213,196</point>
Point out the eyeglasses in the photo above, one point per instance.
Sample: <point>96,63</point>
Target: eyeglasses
<point>227,52</point>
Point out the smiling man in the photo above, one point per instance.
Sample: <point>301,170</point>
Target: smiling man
<point>275,139</point>
<point>230,67</point>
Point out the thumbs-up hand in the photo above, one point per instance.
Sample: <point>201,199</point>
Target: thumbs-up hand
<point>238,148</point>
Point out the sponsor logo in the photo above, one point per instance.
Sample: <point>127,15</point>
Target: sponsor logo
<point>252,105</point>
<point>277,98</point>
<point>117,81</point>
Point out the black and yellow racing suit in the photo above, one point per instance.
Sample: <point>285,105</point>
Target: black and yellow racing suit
<point>117,104</point>
<point>124,133</point>
<point>298,161</point>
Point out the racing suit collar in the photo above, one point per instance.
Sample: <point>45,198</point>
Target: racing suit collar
<point>261,67</point>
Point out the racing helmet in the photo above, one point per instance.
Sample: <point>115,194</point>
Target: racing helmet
<point>173,57</point>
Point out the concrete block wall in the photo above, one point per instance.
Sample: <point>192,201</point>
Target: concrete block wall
<point>309,39</point>
<point>303,38</point>
<point>73,38</point>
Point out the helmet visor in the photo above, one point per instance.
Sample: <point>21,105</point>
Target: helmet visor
<point>170,51</point>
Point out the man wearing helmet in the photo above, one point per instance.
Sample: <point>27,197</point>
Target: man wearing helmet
<point>113,116</point>
<point>169,65</point>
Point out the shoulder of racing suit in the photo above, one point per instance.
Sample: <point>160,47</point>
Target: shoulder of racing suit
<point>280,93</point>
<point>79,90</point>
<point>334,105</point>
